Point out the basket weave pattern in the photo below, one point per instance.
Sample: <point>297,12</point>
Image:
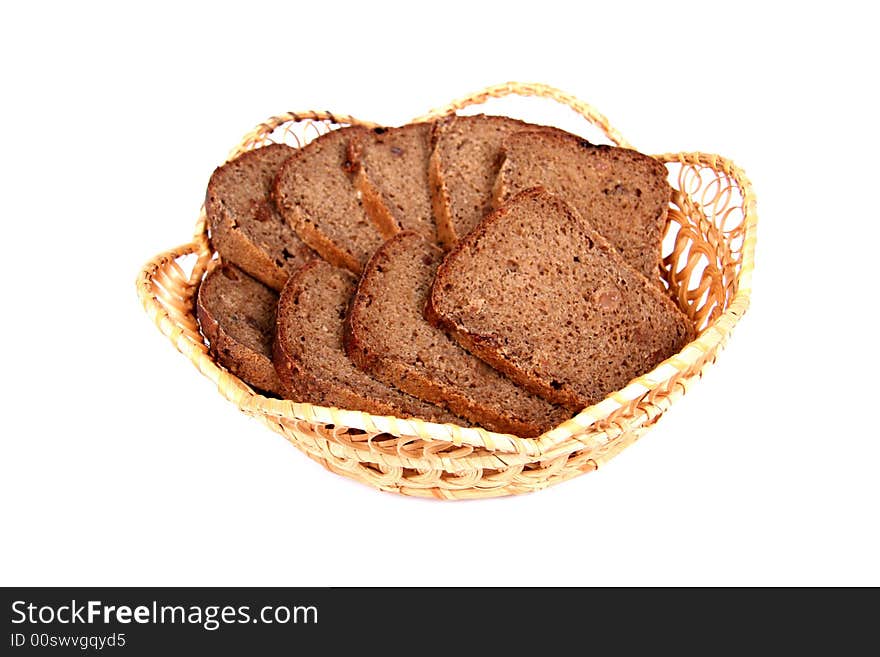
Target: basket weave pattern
<point>707,265</point>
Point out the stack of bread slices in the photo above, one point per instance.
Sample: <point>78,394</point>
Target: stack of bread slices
<point>476,270</point>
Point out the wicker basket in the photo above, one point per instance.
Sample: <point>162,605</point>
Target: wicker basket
<point>708,249</point>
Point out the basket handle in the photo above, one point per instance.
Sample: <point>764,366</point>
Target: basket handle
<point>586,110</point>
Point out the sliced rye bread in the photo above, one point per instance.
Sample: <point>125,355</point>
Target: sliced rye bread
<point>317,198</point>
<point>246,229</point>
<point>388,336</point>
<point>309,356</point>
<point>390,169</point>
<point>464,165</point>
<point>539,294</point>
<point>237,315</point>
<point>623,193</point>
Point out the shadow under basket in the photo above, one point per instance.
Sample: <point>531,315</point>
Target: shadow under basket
<point>707,266</point>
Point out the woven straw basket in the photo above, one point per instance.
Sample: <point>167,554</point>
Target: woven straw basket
<point>707,266</point>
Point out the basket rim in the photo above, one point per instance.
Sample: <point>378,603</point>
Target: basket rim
<point>594,428</point>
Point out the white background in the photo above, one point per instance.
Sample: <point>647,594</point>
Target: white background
<point>121,465</point>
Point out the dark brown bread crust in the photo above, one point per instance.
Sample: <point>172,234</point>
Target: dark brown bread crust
<point>316,197</point>
<point>309,356</point>
<point>390,169</point>
<point>624,193</point>
<point>536,292</point>
<point>464,163</point>
<point>387,336</point>
<point>237,315</point>
<point>246,229</point>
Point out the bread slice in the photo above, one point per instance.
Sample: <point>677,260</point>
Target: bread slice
<point>390,169</point>
<point>317,198</point>
<point>388,336</point>
<point>623,193</point>
<point>538,293</point>
<point>246,229</point>
<point>463,168</point>
<point>237,316</point>
<point>309,356</point>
